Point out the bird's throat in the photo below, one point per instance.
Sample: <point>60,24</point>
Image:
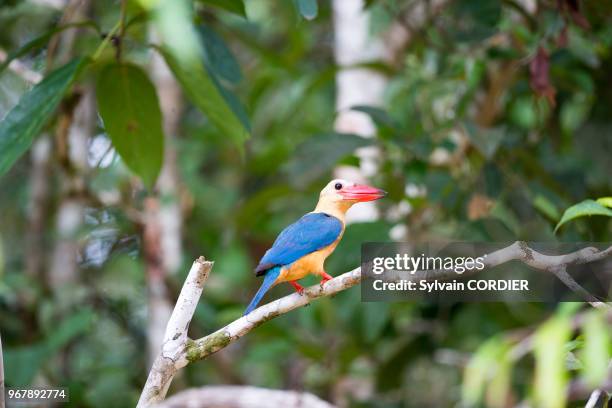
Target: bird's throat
<point>337,209</point>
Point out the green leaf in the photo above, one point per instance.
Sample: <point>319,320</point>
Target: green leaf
<point>545,206</point>
<point>475,20</point>
<point>378,115</point>
<point>12,87</point>
<point>307,8</point>
<point>233,6</point>
<point>41,41</point>
<point>499,388</point>
<point>551,376</point>
<point>24,122</point>
<point>506,216</point>
<point>129,107</point>
<point>325,150</point>
<point>489,360</point>
<point>605,201</point>
<point>23,363</point>
<point>69,328</point>
<point>202,89</point>
<point>375,317</point>
<point>174,20</point>
<point>596,352</point>
<point>218,57</point>
<point>574,112</point>
<point>182,50</point>
<point>586,207</point>
<point>232,101</point>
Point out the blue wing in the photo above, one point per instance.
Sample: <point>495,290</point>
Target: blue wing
<point>309,234</point>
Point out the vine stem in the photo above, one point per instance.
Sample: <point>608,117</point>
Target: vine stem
<point>106,40</point>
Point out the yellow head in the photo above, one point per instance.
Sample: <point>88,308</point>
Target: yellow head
<point>339,195</point>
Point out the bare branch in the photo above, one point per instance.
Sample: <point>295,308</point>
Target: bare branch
<point>176,331</point>
<point>231,396</point>
<point>520,251</point>
<point>212,343</point>
<point>561,273</point>
<point>597,398</point>
<point>164,217</point>
<point>175,356</point>
<point>172,356</point>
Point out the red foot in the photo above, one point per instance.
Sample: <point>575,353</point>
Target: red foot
<point>325,278</point>
<point>298,288</point>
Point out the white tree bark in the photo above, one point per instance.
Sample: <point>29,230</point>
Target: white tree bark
<point>37,205</point>
<point>594,399</point>
<point>163,217</point>
<point>159,307</point>
<point>172,356</point>
<point>357,86</point>
<point>72,136</point>
<point>71,212</point>
<point>354,45</point>
<point>171,218</point>
<point>232,396</point>
<point>179,351</point>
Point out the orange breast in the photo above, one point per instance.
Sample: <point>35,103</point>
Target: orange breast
<point>309,264</point>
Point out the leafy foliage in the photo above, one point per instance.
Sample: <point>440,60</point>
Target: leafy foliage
<point>551,376</point>
<point>583,209</point>
<point>208,95</point>
<point>495,119</point>
<point>40,41</point>
<point>25,121</point>
<point>597,342</point>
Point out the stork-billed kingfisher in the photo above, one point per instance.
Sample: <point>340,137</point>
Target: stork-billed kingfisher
<point>302,247</point>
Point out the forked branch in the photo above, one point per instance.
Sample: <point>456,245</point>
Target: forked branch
<point>178,350</point>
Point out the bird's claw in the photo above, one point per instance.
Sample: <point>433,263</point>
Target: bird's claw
<point>298,288</point>
<point>324,279</point>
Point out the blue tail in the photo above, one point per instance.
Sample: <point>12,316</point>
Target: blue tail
<point>269,279</point>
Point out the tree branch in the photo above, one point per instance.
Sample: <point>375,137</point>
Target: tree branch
<point>172,356</point>
<point>598,398</point>
<point>205,346</point>
<point>178,350</point>
<point>232,396</point>
<point>520,251</point>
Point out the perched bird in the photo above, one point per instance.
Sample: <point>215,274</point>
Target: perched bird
<point>303,246</point>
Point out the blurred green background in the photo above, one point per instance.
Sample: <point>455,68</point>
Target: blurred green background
<point>496,117</point>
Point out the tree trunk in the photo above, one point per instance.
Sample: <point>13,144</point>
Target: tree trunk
<point>356,86</point>
<point>74,128</point>
<point>163,217</point>
<point>72,147</point>
<point>37,207</point>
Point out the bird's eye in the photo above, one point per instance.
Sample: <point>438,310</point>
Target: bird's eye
<point>338,186</point>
